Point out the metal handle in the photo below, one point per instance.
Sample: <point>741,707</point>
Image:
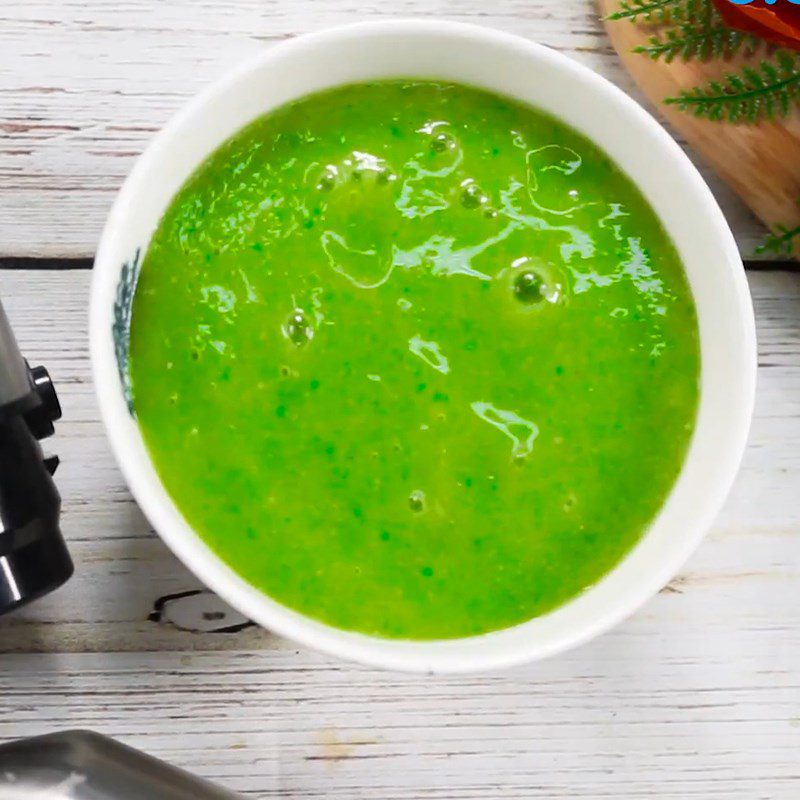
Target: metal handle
<point>81,765</point>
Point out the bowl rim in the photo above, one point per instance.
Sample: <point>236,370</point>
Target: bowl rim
<point>490,650</point>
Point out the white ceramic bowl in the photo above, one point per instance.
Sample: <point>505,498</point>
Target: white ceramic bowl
<point>511,66</point>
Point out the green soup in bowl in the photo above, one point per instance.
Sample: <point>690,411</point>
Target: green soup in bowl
<point>423,345</point>
<point>414,359</point>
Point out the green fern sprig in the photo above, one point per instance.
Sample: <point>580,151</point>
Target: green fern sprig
<point>781,241</point>
<point>659,11</point>
<point>687,41</point>
<point>756,93</point>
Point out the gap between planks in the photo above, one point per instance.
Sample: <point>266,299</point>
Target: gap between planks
<point>52,263</point>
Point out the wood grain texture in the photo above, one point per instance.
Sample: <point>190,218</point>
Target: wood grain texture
<point>631,718</point>
<point>760,162</point>
<point>84,84</point>
<point>696,696</point>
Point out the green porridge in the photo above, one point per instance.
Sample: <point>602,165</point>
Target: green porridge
<point>414,359</point>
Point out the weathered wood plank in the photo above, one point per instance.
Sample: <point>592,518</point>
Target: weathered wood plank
<point>635,715</point>
<point>85,84</point>
<point>695,696</point>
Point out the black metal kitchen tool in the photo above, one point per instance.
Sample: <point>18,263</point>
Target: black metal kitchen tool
<point>33,557</point>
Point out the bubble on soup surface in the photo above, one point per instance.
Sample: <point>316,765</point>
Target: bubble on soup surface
<point>441,142</point>
<point>532,282</point>
<point>327,180</point>
<point>529,287</point>
<point>385,175</point>
<point>416,500</point>
<point>297,328</point>
<point>472,196</point>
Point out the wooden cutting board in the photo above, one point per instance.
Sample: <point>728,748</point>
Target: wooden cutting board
<point>761,162</point>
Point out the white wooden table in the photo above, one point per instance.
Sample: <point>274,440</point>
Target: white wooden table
<point>696,696</point>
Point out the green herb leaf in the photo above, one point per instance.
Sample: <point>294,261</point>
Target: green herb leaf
<point>659,10</point>
<point>754,94</point>
<point>780,241</point>
<point>688,40</point>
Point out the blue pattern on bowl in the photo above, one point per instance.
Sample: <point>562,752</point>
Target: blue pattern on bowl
<point>121,327</point>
